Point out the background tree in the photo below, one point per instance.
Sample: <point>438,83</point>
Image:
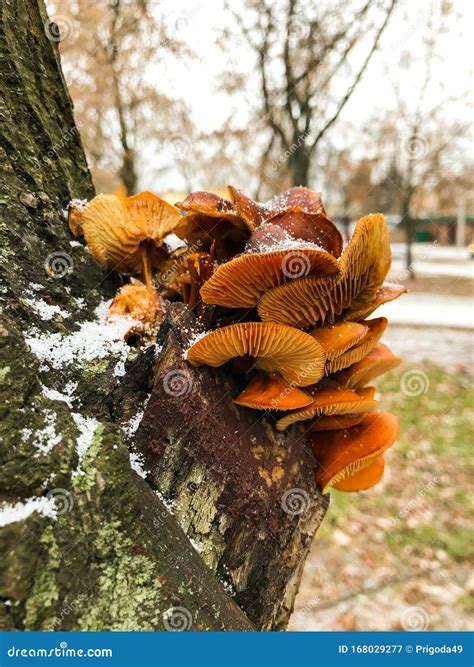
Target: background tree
<point>303,51</point>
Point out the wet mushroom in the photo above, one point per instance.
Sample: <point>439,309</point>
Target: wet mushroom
<point>269,391</point>
<point>378,361</point>
<point>342,454</point>
<point>365,479</point>
<point>364,264</point>
<point>336,422</point>
<point>331,401</point>
<point>274,347</point>
<point>338,338</point>
<point>271,257</point>
<point>374,331</point>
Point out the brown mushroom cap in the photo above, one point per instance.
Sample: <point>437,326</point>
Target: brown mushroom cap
<point>341,454</point>
<point>74,217</point>
<point>116,228</point>
<point>337,338</point>
<point>375,329</point>
<point>364,265</point>
<point>364,479</point>
<point>268,391</point>
<point>242,281</point>
<point>276,347</point>
<point>207,203</point>
<point>379,360</point>
<point>388,292</point>
<point>337,401</point>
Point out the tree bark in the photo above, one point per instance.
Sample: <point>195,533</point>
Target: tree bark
<point>114,558</point>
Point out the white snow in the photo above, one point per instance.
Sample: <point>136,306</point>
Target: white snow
<point>21,511</point>
<point>46,310</point>
<point>428,309</point>
<point>47,438</point>
<point>173,242</point>
<point>136,463</point>
<point>87,427</point>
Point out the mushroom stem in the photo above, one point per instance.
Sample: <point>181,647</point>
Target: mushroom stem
<point>145,256</point>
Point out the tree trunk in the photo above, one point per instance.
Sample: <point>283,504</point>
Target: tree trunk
<point>299,164</point>
<point>114,558</point>
<point>221,525</point>
<point>408,226</point>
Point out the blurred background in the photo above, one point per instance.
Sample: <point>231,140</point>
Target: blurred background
<point>369,102</point>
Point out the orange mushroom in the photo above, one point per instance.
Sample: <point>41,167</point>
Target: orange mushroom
<point>269,391</point>
<point>74,216</point>
<point>338,338</point>
<point>379,360</point>
<point>365,479</point>
<point>374,331</point>
<point>335,422</point>
<point>341,454</point>
<point>138,302</point>
<point>311,299</point>
<point>275,347</point>
<point>331,401</point>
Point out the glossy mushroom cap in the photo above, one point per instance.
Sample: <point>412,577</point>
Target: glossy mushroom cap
<point>338,338</point>
<point>364,479</point>
<point>336,422</point>
<point>338,401</point>
<point>268,391</point>
<point>312,299</point>
<point>379,360</point>
<point>294,354</point>
<point>369,340</point>
<point>341,454</point>
<point>116,229</point>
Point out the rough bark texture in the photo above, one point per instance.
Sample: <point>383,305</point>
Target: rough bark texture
<point>244,493</point>
<point>114,558</point>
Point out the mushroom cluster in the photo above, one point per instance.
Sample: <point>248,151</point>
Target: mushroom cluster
<point>290,314</point>
<point>285,307</point>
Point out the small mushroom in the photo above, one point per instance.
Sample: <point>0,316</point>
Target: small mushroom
<point>378,361</point>
<point>275,347</point>
<point>332,401</point>
<point>341,454</point>
<point>364,264</point>
<point>74,216</point>
<point>338,338</point>
<point>126,233</point>
<point>374,331</point>
<point>138,302</point>
<point>269,391</point>
<point>365,479</point>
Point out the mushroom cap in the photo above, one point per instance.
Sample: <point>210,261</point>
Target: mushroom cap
<point>248,210</point>
<point>116,227</point>
<point>340,454</point>
<point>310,227</point>
<point>268,391</point>
<point>136,301</point>
<point>388,292</point>
<point>242,281</point>
<point>379,360</point>
<point>336,422</point>
<point>338,401</point>
<point>364,264</point>
<point>337,338</point>
<point>276,347</point>
<point>364,479</point>
<point>206,203</point>
<point>74,216</point>
<point>375,329</point>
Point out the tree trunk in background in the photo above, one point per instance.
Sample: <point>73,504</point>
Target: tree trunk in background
<point>299,164</point>
<point>116,557</point>
<point>409,227</point>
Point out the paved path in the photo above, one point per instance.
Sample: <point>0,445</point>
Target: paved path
<point>430,310</point>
